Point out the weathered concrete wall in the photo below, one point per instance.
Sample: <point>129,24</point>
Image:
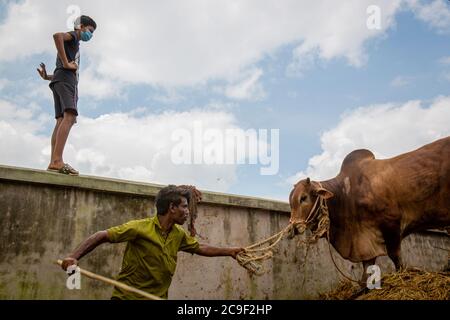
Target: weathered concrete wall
<point>43,216</point>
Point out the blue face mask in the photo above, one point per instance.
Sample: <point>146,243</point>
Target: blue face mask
<point>86,35</point>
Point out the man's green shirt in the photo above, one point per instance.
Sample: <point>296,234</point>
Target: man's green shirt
<point>150,258</point>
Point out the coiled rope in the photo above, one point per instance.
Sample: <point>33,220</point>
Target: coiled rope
<point>253,256</point>
<point>194,197</point>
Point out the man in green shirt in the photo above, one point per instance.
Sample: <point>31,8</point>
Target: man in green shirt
<point>150,257</point>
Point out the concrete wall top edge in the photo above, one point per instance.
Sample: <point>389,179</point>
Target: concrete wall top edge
<point>110,185</point>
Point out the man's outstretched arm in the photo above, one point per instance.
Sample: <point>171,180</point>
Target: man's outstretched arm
<point>85,247</point>
<point>210,251</point>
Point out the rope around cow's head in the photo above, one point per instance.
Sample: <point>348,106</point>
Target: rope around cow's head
<point>318,221</point>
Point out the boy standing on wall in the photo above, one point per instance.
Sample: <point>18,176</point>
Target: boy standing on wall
<point>64,85</point>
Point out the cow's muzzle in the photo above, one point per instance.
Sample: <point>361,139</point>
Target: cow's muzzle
<point>297,228</point>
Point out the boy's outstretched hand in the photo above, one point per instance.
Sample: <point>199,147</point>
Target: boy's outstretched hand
<point>43,72</point>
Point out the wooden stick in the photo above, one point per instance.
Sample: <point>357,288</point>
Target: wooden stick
<point>115,283</point>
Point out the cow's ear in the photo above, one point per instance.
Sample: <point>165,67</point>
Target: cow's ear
<point>324,193</point>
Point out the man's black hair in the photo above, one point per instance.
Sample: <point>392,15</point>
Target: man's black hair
<point>166,196</point>
<point>85,21</point>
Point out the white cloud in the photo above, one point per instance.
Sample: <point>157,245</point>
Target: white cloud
<point>133,146</point>
<point>387,130</point>
<point>139,148</point>
<point>25,90</point>
<point>436,13</point>
<point>401,81</point>
<point>179,43</point>
<point>20,32</point>
<point>4,83</point>
<point>169,96</point>
<point>21,141</point>
<point>445,60</point>
<point>249,88</point>
<point>447,76</point>
<point>97,86</point>
<point>304,58</point>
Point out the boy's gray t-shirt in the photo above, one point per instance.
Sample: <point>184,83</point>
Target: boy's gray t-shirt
<point>72,49</point>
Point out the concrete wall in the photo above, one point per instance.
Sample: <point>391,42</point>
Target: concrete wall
<point>43,216</point>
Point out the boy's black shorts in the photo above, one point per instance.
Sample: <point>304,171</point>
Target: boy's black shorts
<point>66,98</point>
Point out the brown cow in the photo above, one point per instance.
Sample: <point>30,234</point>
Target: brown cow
<point>373,204</point>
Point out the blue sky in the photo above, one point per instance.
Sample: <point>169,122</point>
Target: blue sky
<point>354,87</point>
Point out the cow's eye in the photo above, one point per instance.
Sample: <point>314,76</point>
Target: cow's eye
<point>303,198</point>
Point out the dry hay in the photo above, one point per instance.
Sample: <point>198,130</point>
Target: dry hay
<point>408,284</point>
<point>345,291</point>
